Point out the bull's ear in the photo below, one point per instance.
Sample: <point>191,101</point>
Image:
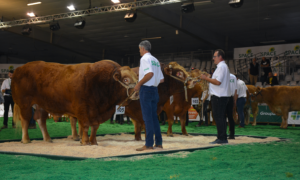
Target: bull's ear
<point>117,75</point>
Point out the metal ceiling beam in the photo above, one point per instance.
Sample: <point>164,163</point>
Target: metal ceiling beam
<point>87,12</point>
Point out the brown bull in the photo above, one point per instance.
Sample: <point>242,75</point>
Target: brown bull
<point>87,91</point>
<point>253,104</point>
<point>280,99</point>
<point>165,90</point>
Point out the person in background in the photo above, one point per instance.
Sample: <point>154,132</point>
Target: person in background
<point>1,100</point>
<point>272,80</point>
<point>205,98</point>
<point>266,66</point>
<point>241,101</point>
<point>219,89</point>
<point>232,105</point>
<point>8,100</point>
<point>253,71</point>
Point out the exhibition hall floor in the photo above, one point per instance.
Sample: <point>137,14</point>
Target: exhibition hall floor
<point>272,160</point>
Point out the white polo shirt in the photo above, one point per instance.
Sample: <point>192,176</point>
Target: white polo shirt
<point>233,84</point>
<point>204,93</point>
<point>6,85</point>
<point>222,75</point>
<point>241,89</point>
<point>149,64</point>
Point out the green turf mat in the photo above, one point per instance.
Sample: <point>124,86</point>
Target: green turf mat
<point>276,160</point>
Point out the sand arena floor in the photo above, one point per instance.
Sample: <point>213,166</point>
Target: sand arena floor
<point>116,145</point>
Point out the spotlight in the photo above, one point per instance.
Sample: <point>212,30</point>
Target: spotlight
<point>31,14</point>
<point>130,17</point>
<point>71,8</point>
<point>187,7</point>
<point>54,26</point>
<point>235,3</point>
<point>79,24</point>
<point>35,3</point>
<point>26,30</point>
<point>115,1</point>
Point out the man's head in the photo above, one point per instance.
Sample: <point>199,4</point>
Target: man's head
<point>263,58</point>
<point>218,56</point>
<point>270,74</point>
<point>145,47</point>
<point>10,73</point>
<point>254,60</point>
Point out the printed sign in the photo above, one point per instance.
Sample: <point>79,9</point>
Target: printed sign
<point>195,101</point>
<point>121,110</point>
<point>294,117</point>
<point>171,99</point>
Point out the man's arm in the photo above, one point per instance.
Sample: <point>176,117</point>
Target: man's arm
<point>145,79</point>
<point>162,80</point>
<point>213,81</point>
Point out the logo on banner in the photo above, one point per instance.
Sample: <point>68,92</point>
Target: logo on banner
<point>248,54</point>
<point>271,52</point>
<point>11,67</point>
<point>267,113</point>
<point>296,51</point>
<point>295,115</point>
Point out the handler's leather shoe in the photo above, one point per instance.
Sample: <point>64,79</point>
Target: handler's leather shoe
<point>231,137</point>
<point>4,127</point>
<point>218,141</point>
<point>158,146</point>
<point>144,148</point>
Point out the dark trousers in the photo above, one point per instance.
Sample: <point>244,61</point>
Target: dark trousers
<point>229,112</point>
<point>240,107</point>
<point>205,104</point>
<point>149,98</point>
<point>8,100</point>
<point>187,119</point>
<point>218,109</point>
<point>32,121</point>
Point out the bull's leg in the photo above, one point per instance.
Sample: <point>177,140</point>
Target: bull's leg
<point>25,136</point>
<point>182,122</point>
<point>80,129</point>
<point>247,115</point>
<point>137,130</point>
<point>254,107</point>
<point>85,137</point>
<point>93,134</point>
<point>43,127</point>
<point>285,116</point>
<point>75,136</point>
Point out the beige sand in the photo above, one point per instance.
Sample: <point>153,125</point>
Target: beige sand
<point>115,145</point>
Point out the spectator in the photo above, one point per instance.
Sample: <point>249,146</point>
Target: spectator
<point>253,71</point>
<point>272,80</point>
<point>265,64</point>
<point>1,100</point>
<point>8,100</point>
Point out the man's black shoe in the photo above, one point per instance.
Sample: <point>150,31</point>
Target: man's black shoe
<point>218,141</point>
<point>231,137</point>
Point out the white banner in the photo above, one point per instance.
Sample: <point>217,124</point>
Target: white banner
<point>4,68</point>
<point>294,117</point>
<point>267,51</point>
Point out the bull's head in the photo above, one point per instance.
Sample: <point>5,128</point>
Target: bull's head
<point>128,79</point>
<point>178,72</point>
<point>257,95</point>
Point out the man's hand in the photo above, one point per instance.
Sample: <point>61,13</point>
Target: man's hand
<point>202,76</point>
<point>137,87</point>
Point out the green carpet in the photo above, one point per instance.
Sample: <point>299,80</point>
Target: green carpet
<point>276,160</point>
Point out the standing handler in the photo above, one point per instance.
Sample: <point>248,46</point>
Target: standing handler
<point>150,75</point>
<point>219,90</point>
<point>232,105</point>
<point>8,100</point>
<point>241,101</point>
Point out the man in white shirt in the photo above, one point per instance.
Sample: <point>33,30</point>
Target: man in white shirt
<point>8,100</point>
<point>241,101</point>
<point>219,89</point>
<point>231,105</point>
<point>150,76</point>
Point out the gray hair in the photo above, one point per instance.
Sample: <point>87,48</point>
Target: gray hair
<point>146,45</point>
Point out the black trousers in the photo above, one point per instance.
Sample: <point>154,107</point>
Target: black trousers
<point>187,119</point>
<point>219,105</point>
<point>229,112</point>
<point>8,100</point>
<point>205,104</point>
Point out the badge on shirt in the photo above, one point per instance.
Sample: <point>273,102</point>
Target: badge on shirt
<point>121,110</point>
<point>171,99</point>
<point>195,101</point>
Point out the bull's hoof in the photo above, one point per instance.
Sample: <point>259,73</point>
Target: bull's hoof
<point>138,139</point>
<point>25,141</point>
<point>186,134</point>
<point>76,139</point>
<point>49,140</point>
<point>170,135</point>
<point>94,143</point>
<point>253,124</point>
<point>85,143</point>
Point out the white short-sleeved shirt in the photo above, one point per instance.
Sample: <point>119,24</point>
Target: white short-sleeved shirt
<point>241,89</point>
<point>204,93</point>
<point>233,84</point>
<point>222,75</point>
<point>149,64</point>
<point>6,85</point>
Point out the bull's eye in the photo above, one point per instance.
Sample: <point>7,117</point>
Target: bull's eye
<point>126,81</point>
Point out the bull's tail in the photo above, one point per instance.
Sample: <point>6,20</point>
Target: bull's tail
<point>17,115</point>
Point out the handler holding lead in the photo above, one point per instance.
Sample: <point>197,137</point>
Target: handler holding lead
<point>219,90</point>
<point>150,75</point>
